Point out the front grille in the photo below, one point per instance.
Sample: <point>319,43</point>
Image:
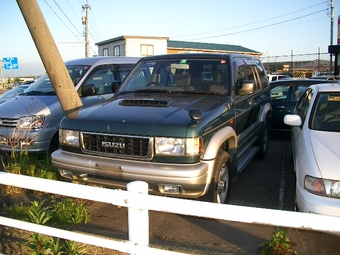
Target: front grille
<point>7,122</point>
<point>117,145</point>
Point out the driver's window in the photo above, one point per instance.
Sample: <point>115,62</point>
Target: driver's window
<point>101,81</point>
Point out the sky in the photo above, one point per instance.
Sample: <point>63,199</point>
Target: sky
<point>275,28</point>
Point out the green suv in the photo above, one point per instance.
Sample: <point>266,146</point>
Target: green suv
<point>186,124</point>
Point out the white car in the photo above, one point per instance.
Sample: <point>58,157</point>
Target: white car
<point>315,145</point>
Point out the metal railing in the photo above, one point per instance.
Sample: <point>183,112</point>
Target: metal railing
<point>139,203</point>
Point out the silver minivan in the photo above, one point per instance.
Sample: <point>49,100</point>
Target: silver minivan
<point>30,121</point>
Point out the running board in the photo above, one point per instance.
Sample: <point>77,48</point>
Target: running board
<point>242,162</point>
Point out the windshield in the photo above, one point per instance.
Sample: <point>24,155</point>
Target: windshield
<point>182,75</point>
<point>326,113</point>
<point>44,86</point>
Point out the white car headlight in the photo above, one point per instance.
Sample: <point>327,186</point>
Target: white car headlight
<point>69,137</point>
<point>31,122</point>
<point>177,146</point>
<point>322,187</point>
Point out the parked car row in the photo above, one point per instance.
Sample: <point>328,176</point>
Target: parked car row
<point>185,123</point>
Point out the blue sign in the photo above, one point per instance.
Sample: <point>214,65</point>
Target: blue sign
<point>10,63</point>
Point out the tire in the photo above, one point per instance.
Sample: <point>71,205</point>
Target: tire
<point>263,142</point>
<point>219,189</point>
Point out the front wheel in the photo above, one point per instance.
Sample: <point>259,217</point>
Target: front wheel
<point>263,142</point>
<point>219,187</point>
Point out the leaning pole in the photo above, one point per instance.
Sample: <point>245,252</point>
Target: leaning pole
<point>50,56</point>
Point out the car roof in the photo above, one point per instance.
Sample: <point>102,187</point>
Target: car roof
<point>101,60</point>
<point>197,55</point>
<point>300,81</point>
<point>328,87</point>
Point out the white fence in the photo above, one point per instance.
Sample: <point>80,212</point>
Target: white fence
<point>139,203</point>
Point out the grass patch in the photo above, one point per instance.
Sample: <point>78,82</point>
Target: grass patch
<point>54,211</point>
<point>35,165</point>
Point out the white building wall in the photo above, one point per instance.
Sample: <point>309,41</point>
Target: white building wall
<point>111,46</point>
<point>134,46</point>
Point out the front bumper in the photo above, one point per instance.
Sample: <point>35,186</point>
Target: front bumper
<point>178,180</point>
<point>310,203</point>
<point>34,140</point>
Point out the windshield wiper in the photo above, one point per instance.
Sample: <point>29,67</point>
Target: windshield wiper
<point>36,92</point>
<point>30,93</point>
<point>50,92</point>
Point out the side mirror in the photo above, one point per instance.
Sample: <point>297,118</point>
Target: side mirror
<point>292,120</point>
<point>88,90</point>
<point>114,86</point>
<point>246,88</point>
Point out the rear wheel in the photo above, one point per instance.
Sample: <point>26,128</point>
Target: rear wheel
<point>219,187</point>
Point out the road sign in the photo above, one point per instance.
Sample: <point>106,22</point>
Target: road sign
<point>10,63</point>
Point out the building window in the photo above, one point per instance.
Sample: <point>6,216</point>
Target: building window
<point>116,51</point>
<point>146,50</point>
<point>105,51</point>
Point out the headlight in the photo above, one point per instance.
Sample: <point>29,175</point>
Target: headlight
<point>178,146</point>
<point>322,187</point>
<point>69,137</point>
<point>31,122</point>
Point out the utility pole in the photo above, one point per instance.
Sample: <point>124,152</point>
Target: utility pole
<point>85,22</point>
<point>50,56</point>
<point>331,43</point>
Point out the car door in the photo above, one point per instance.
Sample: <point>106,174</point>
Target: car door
<point>261,95</point>
<point>243,105</point>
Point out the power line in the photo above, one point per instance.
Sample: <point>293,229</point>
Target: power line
<point>261,27</point>
<point>67,17</point>
<point>252,23</point>
<point>60,18</point>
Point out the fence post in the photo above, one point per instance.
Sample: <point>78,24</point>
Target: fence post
<point>138,218</point>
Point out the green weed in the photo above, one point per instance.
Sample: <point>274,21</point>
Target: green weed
<point>278,245</point>
<point>63,212</point>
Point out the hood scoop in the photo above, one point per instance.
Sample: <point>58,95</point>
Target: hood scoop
<point>143,102</point>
